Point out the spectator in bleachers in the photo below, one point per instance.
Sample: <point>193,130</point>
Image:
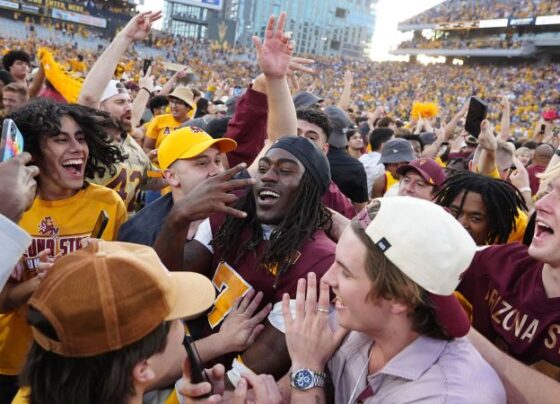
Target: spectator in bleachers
<point>17,62</point>
<point>14,95</point>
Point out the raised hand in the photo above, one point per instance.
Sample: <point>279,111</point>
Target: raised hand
<point>212,196</point>
<point>348,77</point>
<point>147,80</point>
<point>140,25</point>
<point>189,392</point>
<point>275,53</point>
<point>310,340</point>
<point>486,139</point>
<point>18,180</point>
<point>242,326</point>
<point>520,177</point>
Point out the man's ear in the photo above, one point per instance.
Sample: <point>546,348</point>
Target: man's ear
<point>143,373</point>
<point>171,178</point>
<point>398,307</point>
<point>326,148</point>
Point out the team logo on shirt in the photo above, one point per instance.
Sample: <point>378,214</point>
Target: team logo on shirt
<point>47,227</point>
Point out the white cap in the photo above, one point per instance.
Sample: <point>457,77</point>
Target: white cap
<point>113,88</point>
<point>424,241</point>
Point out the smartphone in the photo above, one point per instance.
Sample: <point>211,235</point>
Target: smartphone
<point>100,225</point>
<point>146,65</point>
<point>198,375</point>
<point>543,129</point>
<point>475,116</point>
<point>11,143</point>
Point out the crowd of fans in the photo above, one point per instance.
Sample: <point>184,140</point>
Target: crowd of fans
<point>458,43</point>
<point>457,10</point>
<point>314,229</point>
<point>393,85</point>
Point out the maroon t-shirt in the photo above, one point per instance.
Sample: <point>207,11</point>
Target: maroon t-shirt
<point>510,307</point>
<point>338,202</point>
<point>534,182</point>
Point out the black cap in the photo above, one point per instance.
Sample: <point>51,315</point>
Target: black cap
<point>314,161</point>
<point>306,99</point>
<point>341,124</point>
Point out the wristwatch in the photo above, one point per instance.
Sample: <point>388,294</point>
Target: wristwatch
<point>305,379</point>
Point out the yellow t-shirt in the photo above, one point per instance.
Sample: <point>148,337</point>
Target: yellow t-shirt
<point>389,180</point>
<point>131,174</point>
<point>60,226</point>
<point>161,126</point>
<point>77,66</point>
<point>520,226</point>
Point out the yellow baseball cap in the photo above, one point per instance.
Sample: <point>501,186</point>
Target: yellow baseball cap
<point>189,142</point>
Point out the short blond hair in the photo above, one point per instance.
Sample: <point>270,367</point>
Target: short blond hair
<point>17,88</point>
<point>550,174</point>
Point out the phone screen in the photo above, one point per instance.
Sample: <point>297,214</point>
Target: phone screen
<point>100,225</point>
<point>11,143</point>
<point>197,371</point>
<point>146,66</point>
<point>475,116</point>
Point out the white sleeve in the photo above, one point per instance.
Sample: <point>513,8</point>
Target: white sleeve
<point>14,241</point>
<point>204,234</point>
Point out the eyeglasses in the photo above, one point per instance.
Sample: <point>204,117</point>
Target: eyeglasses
<point>178,102</point>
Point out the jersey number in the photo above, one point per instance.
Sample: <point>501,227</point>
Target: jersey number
<point>231,286</point>
<point>119,185</point>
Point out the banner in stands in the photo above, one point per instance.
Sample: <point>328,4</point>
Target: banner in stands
<point>66,5</point>
<point>9,4</point>
<point>79,18</point>
<point>213,4</point>
<point>29,8</point>
<point>496,23</point>
<point>521,21</point>
<point>457,25</point>
<point>548,20</point>
<point>221,31</point>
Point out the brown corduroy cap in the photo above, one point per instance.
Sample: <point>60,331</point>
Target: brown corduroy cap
<point>112,294</point>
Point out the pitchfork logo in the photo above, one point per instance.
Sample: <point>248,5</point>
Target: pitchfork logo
<point>47,227</point>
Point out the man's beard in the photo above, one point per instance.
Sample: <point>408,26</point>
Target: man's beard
<point>123,125</point>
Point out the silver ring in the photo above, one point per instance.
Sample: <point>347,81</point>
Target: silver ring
<point>321,310</point>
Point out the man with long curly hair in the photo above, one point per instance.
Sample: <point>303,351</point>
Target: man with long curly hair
<point>68,143</point>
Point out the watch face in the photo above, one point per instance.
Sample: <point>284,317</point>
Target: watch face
<point>303,379</point>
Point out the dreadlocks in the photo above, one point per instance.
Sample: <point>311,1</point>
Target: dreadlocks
<point>306,215</point>
<point>41,117</point>
<point>502,200</point>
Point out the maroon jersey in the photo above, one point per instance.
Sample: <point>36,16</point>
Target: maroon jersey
<point>234,279</point>
<point>510,307</point>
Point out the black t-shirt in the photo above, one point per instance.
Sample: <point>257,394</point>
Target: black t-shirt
<point>349,174</point>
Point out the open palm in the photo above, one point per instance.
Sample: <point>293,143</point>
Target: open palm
<point>275,53</point>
